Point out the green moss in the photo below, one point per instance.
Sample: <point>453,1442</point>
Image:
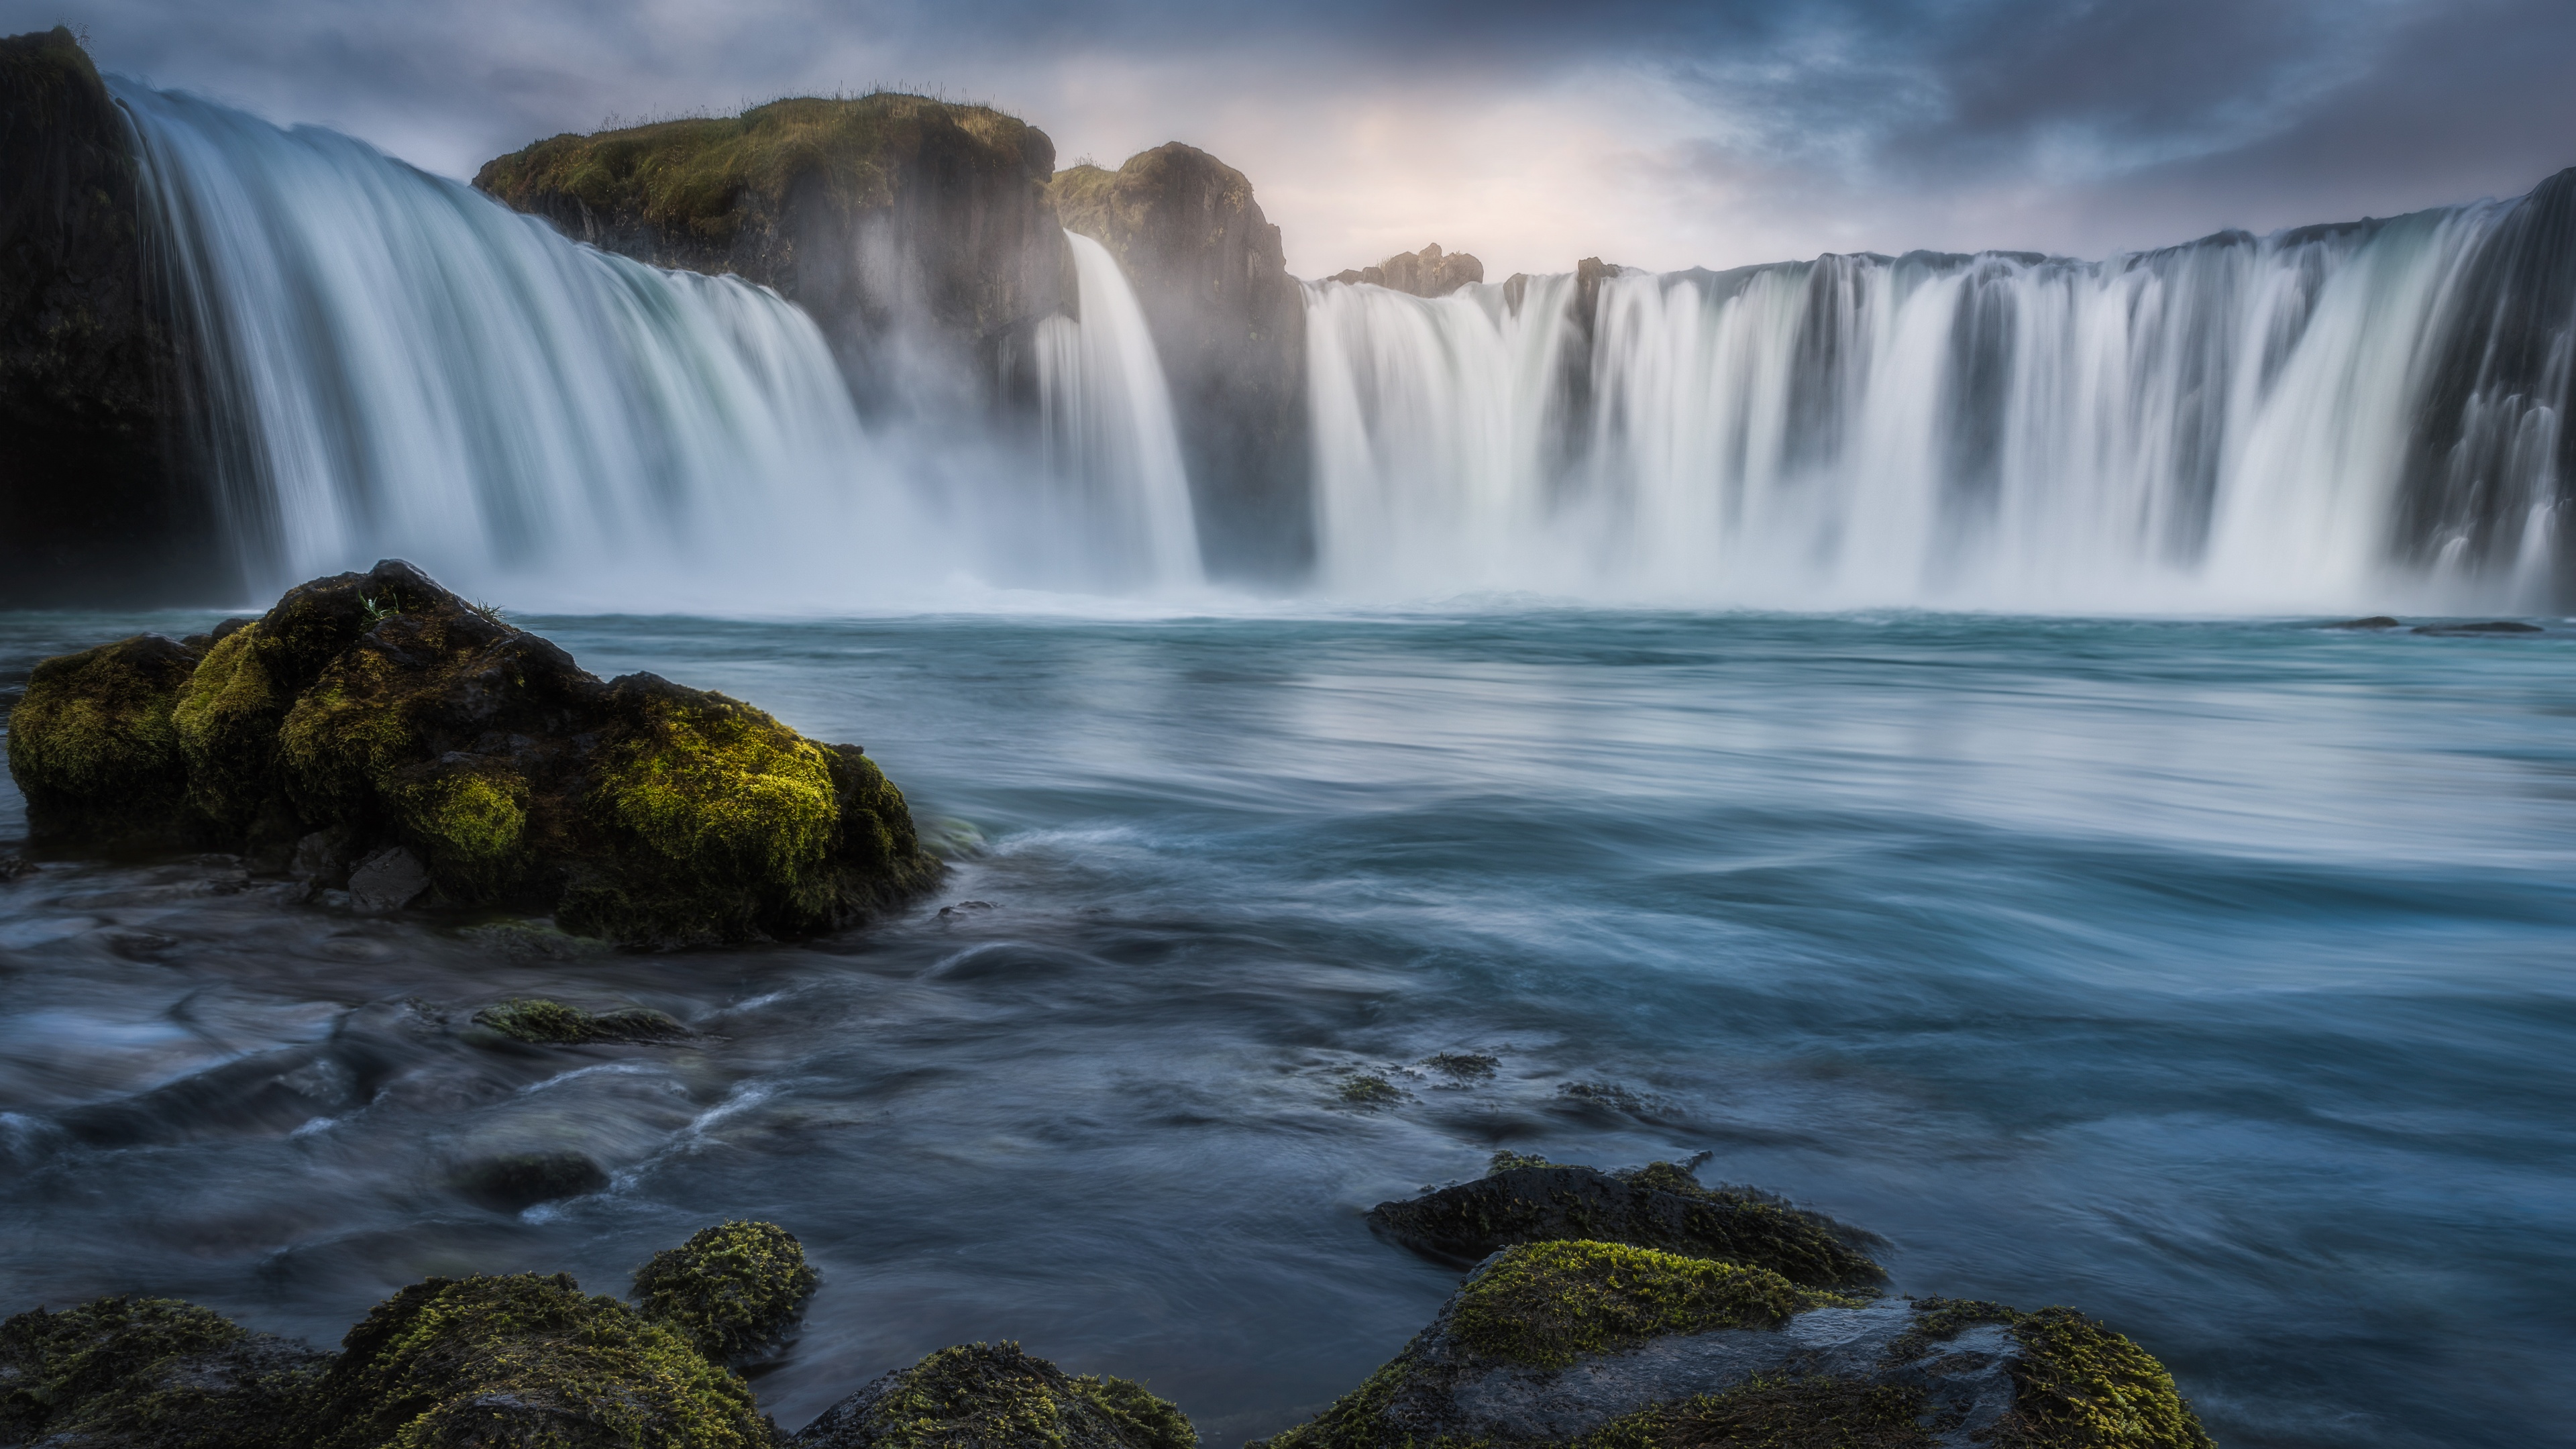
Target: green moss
<point>66,1366</point>
<point>472,822</point>
<point>1548,1304</point>
<point>1358,1419</point>
<point>730,1290</point>
<point>525,1361</point>
<point>993,1396</point>
<point>2081,1386</point>
<point>227,724</point>
<point>1506,1160</point>
<point>1776,1413</point>
<point>1464,1066</point>
<point>1369,1090</point>
<point>707,177</point>
<point>535,1019</point>
<point>1938,1320</point>
<point>92,744</point>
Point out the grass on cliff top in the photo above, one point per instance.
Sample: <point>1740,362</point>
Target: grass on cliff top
<point>704,174</point>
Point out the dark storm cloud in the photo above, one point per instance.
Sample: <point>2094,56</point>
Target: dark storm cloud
<point>1732,125</point>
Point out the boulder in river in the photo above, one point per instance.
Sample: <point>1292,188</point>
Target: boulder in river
<point>1609,1346</point>
<point>148,1372</point>
<point>1660,1205</point>
<point>444,754</point>
<point>993,1396</point>
<point>730,1290</point>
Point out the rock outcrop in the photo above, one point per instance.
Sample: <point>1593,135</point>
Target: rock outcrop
<point>1230,325</point>
<point>918,233</point>
<point>1429,272</point>
<point>1659,1205</point>
<point>993,1396</point>
<point>148,1372</point>
<point>379,726</point>
<point>1608,1346</point>
<point>99,498</point>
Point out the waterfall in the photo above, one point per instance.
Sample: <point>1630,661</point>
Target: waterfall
<point>1112,447</point>
<point>2326,418</point>
<point>396,364</point>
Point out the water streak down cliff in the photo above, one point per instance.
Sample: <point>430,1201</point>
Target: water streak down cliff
<point>2307,420</point>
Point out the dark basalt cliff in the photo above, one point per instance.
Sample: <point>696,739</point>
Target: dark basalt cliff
<point>918,233</point>
<point>97,503</point>
<point>1230,325</point>
<point>1429,272</point>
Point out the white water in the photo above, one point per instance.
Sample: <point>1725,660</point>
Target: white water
<point>399,365</point>
<point>2222,425</point>
<point>1111,443</point>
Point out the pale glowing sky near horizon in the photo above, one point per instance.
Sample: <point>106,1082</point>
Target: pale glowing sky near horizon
<point>1657,135</point>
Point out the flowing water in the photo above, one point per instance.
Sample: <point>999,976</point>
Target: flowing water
<point>2210,975</point>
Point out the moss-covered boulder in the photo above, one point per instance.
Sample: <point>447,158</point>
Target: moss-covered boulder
<point>1610,1346</point>
<point>1660,1205</point>
<point>993,1396</point>
<point>148,1373</point>
<point>377,712</point>
<point>917,232</point>
<point>100,496</point>
<point>1212,279</point>
<point>730,1290</point>
<point>524,1360</point>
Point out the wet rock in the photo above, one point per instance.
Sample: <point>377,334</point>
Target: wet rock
<point>1609,1345</point>
<point>101,499</point>
<point>145,1373</point>
<point>963,908</point>
<point>525,1360</point>
<point>15,867</point>
<point>2495,626</point>
<point>1464,1067</point>
<point>518,1181</point>
<point>1229,323</point>
<point>2375,621</point>
<point>917,233</point>
<point>551,1023</point>
<point>731,1290</point>
<point>1660,1205</point>
<point>322,857</point>
<point>1368,1089</point>
<point>386,881</point>
<point>465,755</point>
<point>993,1396</point>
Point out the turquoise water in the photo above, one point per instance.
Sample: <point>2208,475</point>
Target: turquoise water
<point>2213,976</point>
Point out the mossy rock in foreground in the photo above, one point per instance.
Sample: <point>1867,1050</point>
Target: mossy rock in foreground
<point>1660,1205</point>
<point>525,1360</point>
<point>730,1290</point>
<point>993,1396</point>
<point>147,1373</point>
<point>1611,1346</point>
<point>378,710</point>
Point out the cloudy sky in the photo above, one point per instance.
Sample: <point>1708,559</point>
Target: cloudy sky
<point>1661,135</point>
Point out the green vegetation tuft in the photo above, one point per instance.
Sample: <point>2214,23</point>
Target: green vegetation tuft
<point>708,177</point>
<point>535,1019</point>
<point>525,1361</point>
<point>1821,1412</point>
<point>1506,1160</point>
<point>92,740</point>
<point>1548,1304</point>
<point>730,1290</point>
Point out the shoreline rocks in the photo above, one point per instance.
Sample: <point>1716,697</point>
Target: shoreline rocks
<point>376,727</point>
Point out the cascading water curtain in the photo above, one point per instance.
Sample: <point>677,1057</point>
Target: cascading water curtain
<point>399,365</point>
<point>2326,418</point>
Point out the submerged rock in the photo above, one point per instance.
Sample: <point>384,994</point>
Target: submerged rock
<point>1609,1346</point>
<point>516,1181</point>
<point>1660,1205</point>
<point>536,1020</point>
<point>2493,626</point>
<point>443,753</point>
<point>148,1373</point>
<point>2375,621</point>
<point>730,1290</point>
<point>525,1360</point>
<point>993,1396</point>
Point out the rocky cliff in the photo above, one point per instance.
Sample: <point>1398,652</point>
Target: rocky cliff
<point>918,233</point>
<point>1429,272</point>
<point>97,498</point>
<point>1230,325</point>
